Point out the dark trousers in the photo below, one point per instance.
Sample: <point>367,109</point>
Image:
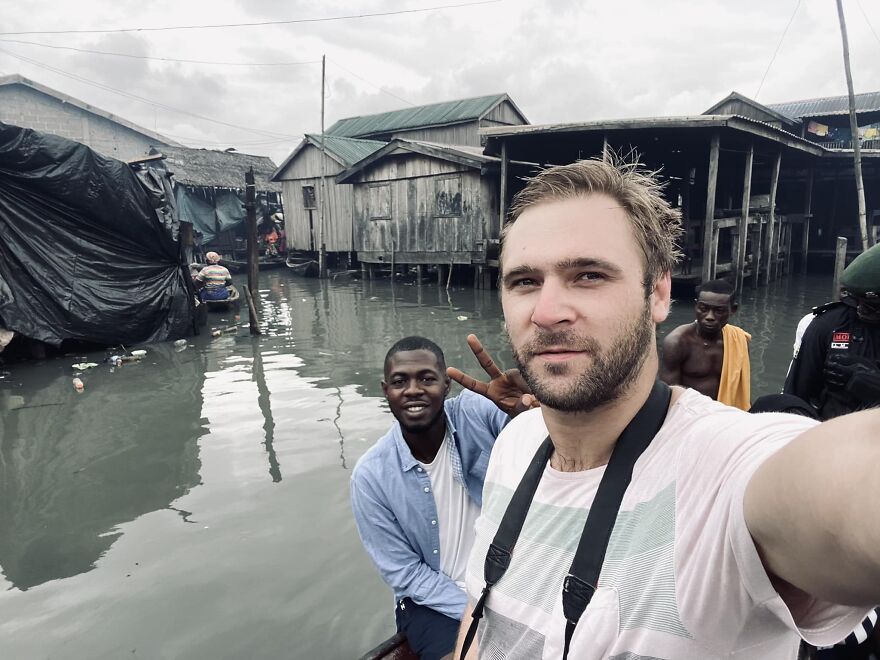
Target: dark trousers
<point>430,634</point>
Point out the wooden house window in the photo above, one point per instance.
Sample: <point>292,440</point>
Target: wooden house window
<point>308,197</point>
<point>380,201</point>
<point>447,197</point>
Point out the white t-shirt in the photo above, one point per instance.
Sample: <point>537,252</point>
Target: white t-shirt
<point>456,514</point>
<point>681,579</point>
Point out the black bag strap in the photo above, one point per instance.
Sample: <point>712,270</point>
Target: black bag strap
<point>580,583</point>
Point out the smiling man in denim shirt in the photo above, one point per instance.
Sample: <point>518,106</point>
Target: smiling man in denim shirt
<point>417,492</point>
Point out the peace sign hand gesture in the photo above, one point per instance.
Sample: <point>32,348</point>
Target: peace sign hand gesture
<point>506,389</point>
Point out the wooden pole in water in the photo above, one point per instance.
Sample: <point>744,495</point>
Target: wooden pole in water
<point>772,250</point>
<point>253,319</point>
<point>854,129</point>
<point>322,255</point>
<point>502,188</point>
<point>253,256</point>
<point>808,214</point>
<point>839,265</point>
<point>709,218</point>
<point>743,231</point>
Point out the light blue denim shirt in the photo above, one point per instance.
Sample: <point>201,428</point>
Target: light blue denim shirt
<point>394,507</point>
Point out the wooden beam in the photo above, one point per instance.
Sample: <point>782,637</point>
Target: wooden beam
<point>253,254</point>
<point>808,213</point>
<point>502,206</point>
<point>839,264</point>
<point>708,228</point>
<point>786,244</point>
<point>743,230</point>
<point>757,253</point>
<point>771,239</point>
<point>854,132</point>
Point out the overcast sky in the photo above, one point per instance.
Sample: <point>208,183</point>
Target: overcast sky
<point>560,60</point>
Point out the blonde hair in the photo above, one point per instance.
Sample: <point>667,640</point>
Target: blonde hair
<point>657,225</point>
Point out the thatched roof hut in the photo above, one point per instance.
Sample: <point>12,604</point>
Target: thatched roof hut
<point>207,168</point>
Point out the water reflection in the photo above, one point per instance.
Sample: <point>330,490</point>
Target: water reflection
<point>73,467</point>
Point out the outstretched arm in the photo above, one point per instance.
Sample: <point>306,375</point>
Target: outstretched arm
<point>506,389</point>
<point>810,510</point>
<point>673,358</point>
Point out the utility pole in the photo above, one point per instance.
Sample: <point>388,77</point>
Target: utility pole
<point>854,129</point>
<point>322,254</point>
<point>253,255</point>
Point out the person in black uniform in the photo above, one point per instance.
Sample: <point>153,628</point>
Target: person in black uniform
<point>837,368</point>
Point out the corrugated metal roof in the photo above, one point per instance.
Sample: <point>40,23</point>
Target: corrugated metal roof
<point>435,114</point>
<point>349,150</point>
<point>217,169</point>
<point>828,105</point>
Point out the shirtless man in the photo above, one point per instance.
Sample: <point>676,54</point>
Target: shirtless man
<point>693,354</point>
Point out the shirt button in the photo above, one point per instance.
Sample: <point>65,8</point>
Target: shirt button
<point>427,490</point>
<point>433,522</point>
<point>435,551</point>
<point>419,469</point>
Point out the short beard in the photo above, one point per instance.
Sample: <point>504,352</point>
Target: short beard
<point>607,379</point>
<point>425,426</point>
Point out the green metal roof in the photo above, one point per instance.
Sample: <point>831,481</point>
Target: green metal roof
<point>435,114</point>
<point>348,150</point>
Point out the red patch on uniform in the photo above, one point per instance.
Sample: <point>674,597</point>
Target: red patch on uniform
<point>840,336</point>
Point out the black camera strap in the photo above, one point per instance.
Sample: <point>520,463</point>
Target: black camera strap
<point>580,583</point>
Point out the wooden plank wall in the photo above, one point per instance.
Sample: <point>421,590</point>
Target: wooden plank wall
<point>504,114</point>
<point>467,134</point>
<point>415,232</point>
<point>305,170</point>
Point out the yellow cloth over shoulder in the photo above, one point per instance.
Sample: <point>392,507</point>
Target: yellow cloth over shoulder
<point>735,388</point>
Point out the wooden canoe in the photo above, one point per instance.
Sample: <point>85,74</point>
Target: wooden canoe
<point>393,648</point>
<point>222,305</point>
<point>265,263</point>
<point>307,268</point>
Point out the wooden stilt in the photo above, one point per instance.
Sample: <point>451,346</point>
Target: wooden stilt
<point>839,265</point>
<point>708,221</point>
<point>502,189</point>
<point>808,214</point>
<point>772,250</point>
<point>743,226</point>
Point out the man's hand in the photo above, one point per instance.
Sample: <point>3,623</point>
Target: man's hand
<point>839,370</point>
<point>506,389</point>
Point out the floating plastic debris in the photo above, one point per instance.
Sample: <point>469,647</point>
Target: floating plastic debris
<point>82,366</point>
<point>462,318</point>
<point>139,353</point>
<point>78,385</point>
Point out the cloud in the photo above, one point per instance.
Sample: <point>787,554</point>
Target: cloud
<point>561,60</point>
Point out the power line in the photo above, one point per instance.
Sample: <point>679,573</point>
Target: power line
<point>867,20</point>
<point>159,59</point>
<point>143,99</point>
<point>778,46</point>
<point>381,89</point>
<point>196,140</point>
<point>256,24</point>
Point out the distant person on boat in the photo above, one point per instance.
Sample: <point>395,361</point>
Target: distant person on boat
<point>837,366</point>
<point>214,279</point>
<point>417,492</point>
<point>710,355</point>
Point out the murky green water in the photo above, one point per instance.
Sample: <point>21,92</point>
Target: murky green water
<point>195,505</point>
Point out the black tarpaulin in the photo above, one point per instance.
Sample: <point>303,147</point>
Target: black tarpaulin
<point>87,252</point>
